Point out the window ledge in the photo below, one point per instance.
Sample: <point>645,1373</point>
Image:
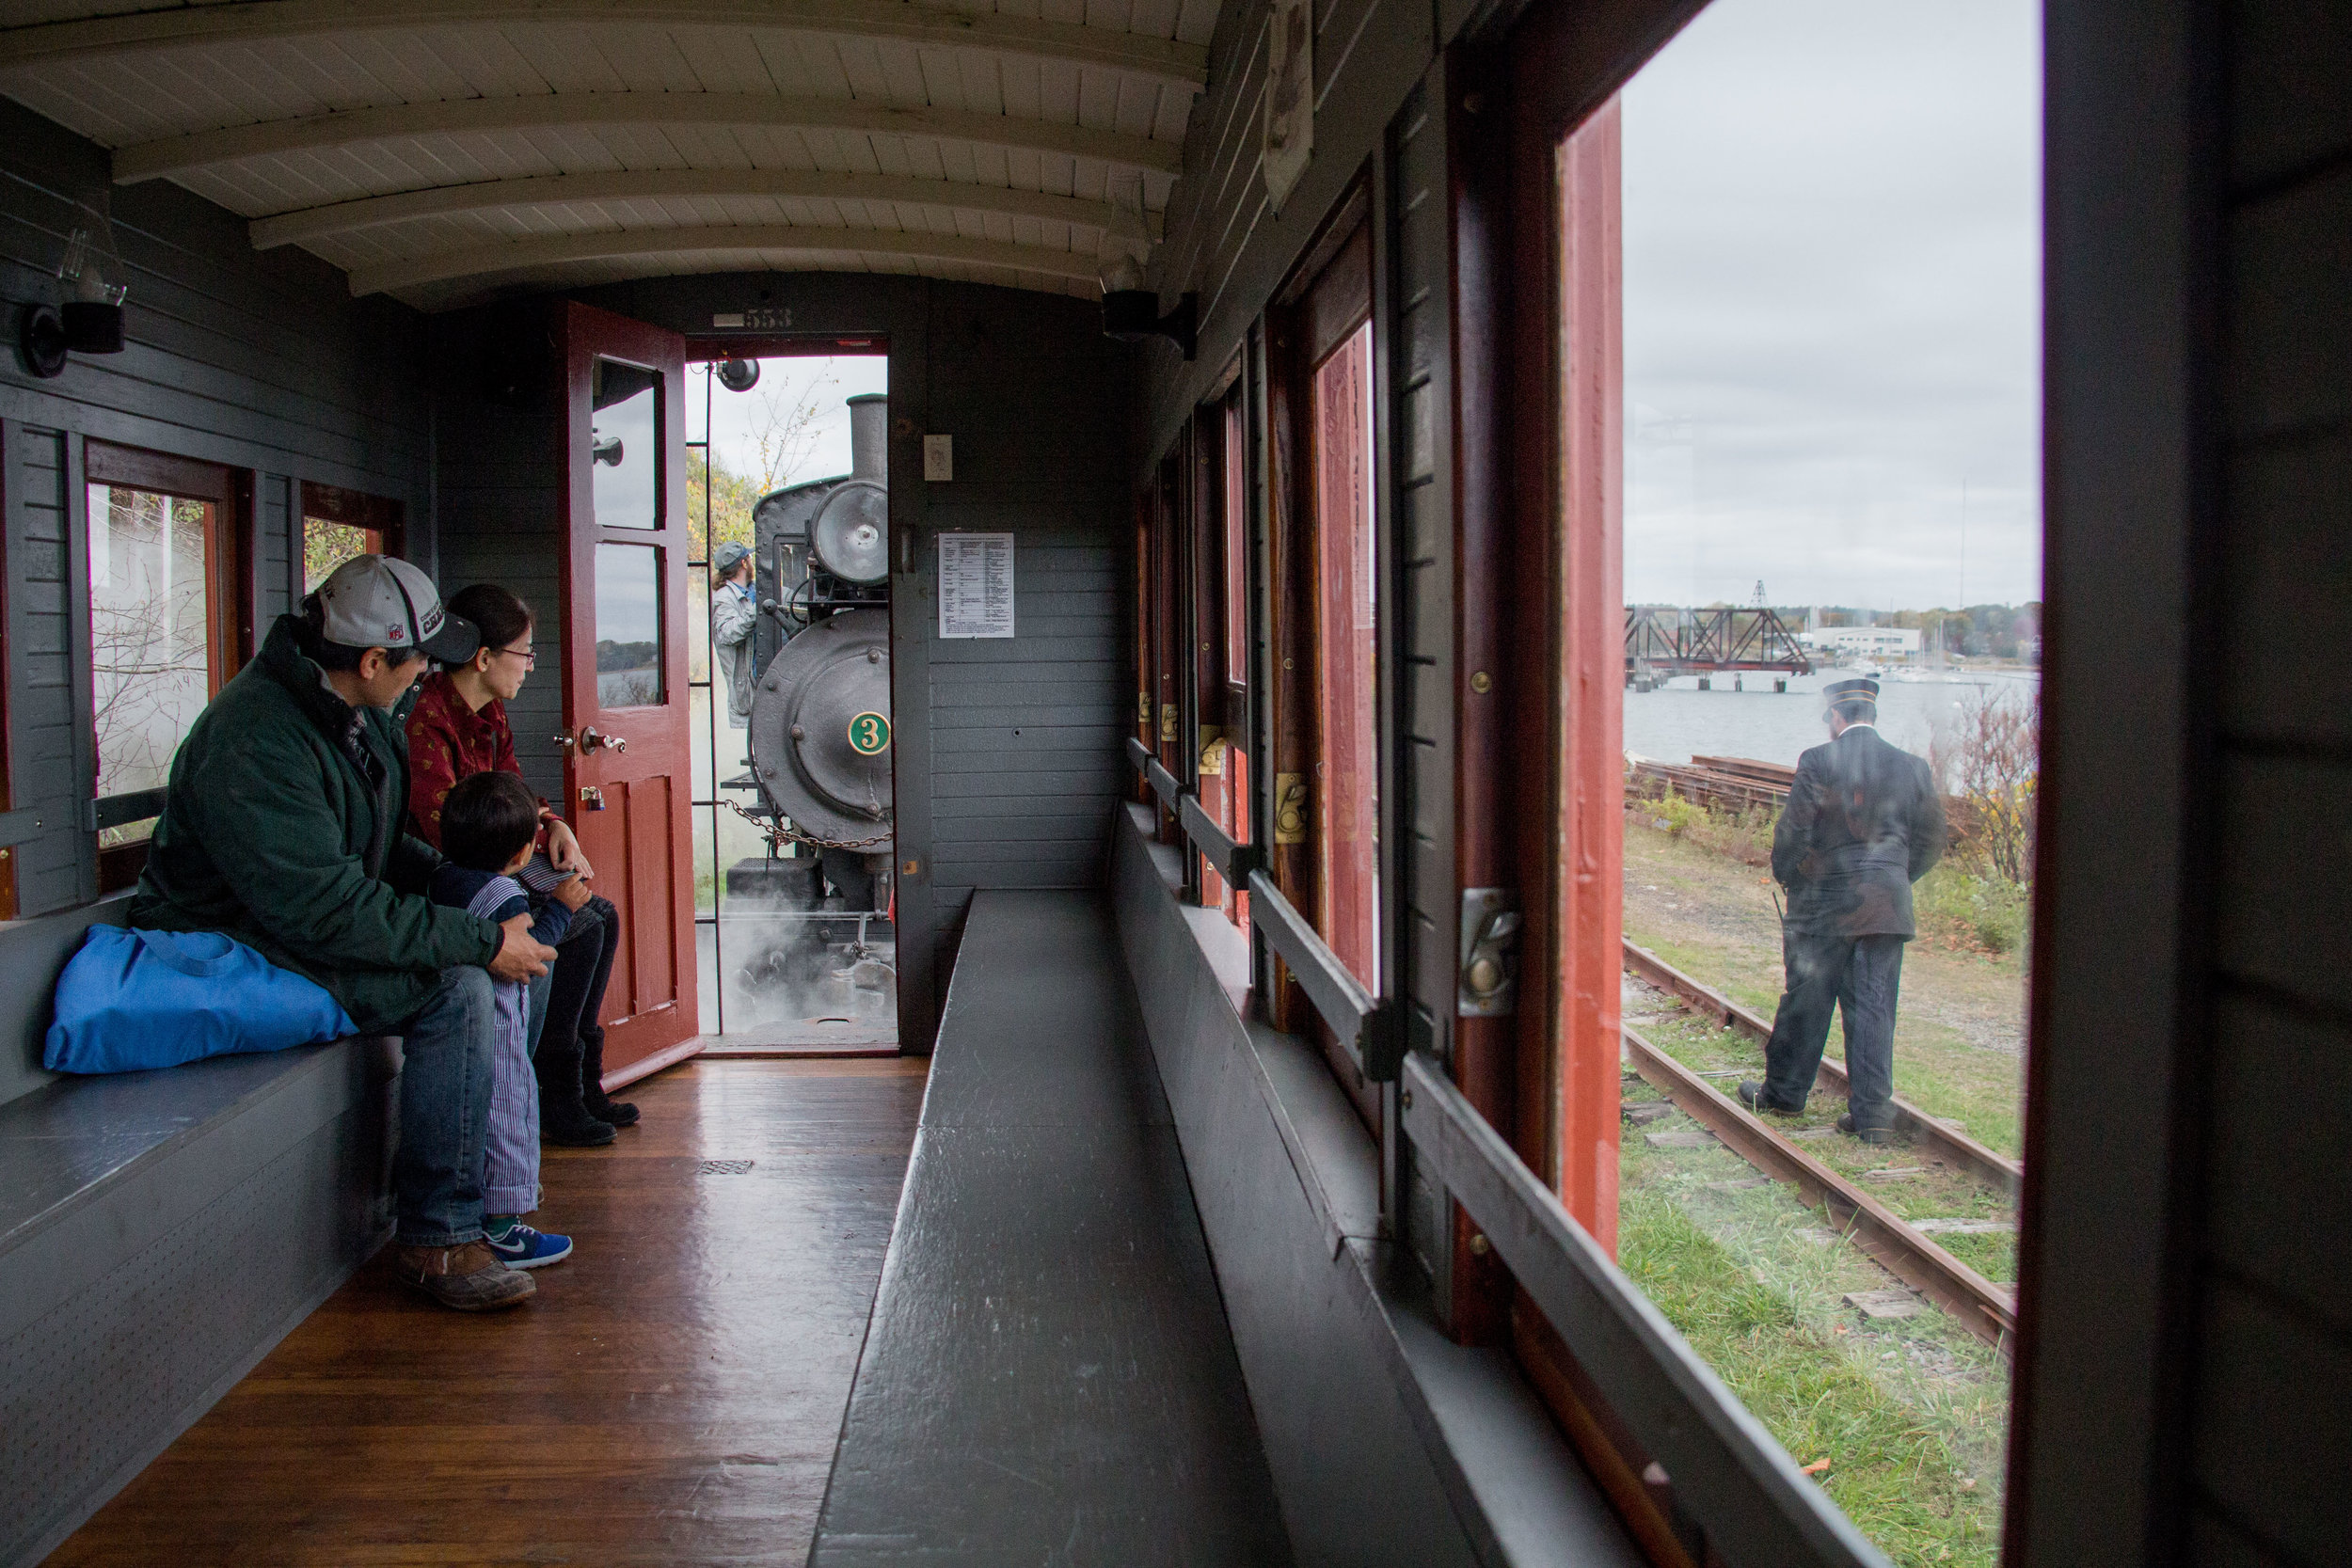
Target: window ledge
<point>1518,1491</point>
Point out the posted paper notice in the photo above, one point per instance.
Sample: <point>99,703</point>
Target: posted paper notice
<point>974,585</point>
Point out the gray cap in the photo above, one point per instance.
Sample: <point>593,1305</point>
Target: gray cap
<point>730,555</point>
<point>372,601</point>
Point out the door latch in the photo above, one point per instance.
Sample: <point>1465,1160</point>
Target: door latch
<point>1489,984</point>
<point>1289,808</point>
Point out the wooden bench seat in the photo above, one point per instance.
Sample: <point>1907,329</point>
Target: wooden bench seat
<point>1048,1376</point>
<point>159,1232</point>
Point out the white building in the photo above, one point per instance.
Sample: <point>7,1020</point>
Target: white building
<point>1869,642</point>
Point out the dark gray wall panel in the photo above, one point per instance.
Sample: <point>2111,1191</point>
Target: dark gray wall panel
<point>2271,1437</point>
<point>2273,1377</point>
<point>2274,1214</point>
<point>2186,1361</point>
<point>96,1386</point>
<point>47,711</point>
<point>1037,400</point>
<point>252,359</point>
<point>1224,241</point>
<point>261,362</point>
<point>1420,461</point>
<point>498,482</point>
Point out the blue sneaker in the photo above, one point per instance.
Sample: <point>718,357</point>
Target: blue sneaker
<point>522,1247</point>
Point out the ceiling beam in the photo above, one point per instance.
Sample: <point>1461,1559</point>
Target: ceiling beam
<point>633,243</point>
<point>82,41</point>
<point>555,190</point>
<point>186,154</point>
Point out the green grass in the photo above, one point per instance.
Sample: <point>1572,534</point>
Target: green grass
<point>1988,913</point>
<point>1893,1468</point>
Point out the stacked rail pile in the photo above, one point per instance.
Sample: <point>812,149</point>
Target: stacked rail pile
<point>1725,783</point>
<point>1736,783</point>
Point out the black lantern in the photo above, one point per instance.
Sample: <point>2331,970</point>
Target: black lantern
<point>1131,312</point>
<point>90,318</point>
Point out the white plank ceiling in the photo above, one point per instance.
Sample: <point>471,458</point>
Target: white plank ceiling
<point>442,150</point>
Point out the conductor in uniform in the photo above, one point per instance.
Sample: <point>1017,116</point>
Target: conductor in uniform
<point>1863,822</point>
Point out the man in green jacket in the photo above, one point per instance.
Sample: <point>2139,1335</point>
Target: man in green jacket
<point>285,826</point>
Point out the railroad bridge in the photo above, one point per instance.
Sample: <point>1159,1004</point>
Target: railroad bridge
<point>1663,642</point>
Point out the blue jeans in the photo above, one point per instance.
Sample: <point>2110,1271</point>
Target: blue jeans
<point>445,1110</point>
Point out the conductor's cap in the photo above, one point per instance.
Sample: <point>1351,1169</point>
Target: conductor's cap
<point>1844,694</point>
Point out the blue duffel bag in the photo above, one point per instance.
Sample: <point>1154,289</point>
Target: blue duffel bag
<point>133,1000</point>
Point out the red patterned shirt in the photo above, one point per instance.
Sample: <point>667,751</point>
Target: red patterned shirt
<point>449,741</point>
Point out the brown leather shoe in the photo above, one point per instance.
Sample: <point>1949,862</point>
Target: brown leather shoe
<point>469,1278</point>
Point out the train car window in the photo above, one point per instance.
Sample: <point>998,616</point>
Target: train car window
<point>1146,725</point>
<point>1322,668</point>
<point>337,524</point>
<point>1347,656</point>
<point>1233,486</point>
<point>630,633</point>
<point>1803,709</point>
<point>625,444</point>
<point>1233,460</point>
<point>166,612</point>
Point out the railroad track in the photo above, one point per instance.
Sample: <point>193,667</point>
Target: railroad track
<point>1956,1147</point>
<point>1987,1309</point>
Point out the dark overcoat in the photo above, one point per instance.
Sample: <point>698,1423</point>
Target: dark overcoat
<point>1863,822</point>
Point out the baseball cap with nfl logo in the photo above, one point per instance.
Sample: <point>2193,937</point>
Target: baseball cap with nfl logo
<point>372,601</point>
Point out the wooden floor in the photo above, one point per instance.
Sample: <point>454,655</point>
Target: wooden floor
<point>673,1395</point>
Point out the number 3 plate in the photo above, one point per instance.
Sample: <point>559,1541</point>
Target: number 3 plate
<point>869,735</point>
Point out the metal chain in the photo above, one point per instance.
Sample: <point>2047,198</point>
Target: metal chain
<point>778,833</point>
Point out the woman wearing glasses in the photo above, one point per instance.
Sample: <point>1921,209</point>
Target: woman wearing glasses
<point>458,727</point>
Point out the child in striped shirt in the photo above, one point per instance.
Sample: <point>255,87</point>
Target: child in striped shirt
<point>488,823</point>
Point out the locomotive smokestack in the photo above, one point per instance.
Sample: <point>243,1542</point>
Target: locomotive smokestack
<point>869,437</point>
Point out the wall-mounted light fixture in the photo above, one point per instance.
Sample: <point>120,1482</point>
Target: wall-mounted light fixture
<point>90,275</point>
<point>1131,312</point>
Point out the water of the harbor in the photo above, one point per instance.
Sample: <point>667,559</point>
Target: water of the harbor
<point>1679,721</point>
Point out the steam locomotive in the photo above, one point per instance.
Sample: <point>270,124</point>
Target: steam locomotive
<point>819,734</point>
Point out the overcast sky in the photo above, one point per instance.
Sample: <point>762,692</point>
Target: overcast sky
<point>1833,304</point>
<point>784,382</point>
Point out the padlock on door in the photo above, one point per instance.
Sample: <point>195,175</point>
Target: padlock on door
<point>591,797</point>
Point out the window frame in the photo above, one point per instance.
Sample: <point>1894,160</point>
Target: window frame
<point>380,518</point>
<point>227,494</point>
<point>1331,294</point>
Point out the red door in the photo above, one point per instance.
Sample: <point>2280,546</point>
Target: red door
<point>628,773</point>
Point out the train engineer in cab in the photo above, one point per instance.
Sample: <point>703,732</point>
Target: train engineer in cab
<point>1863,822</point>
<point>285,827</point>
<point>734,617</point>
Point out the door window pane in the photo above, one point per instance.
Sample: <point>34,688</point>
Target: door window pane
<point>629,626</point>
<point>150,635</point>
<point>625,445</point>
<point>1346,673</point>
